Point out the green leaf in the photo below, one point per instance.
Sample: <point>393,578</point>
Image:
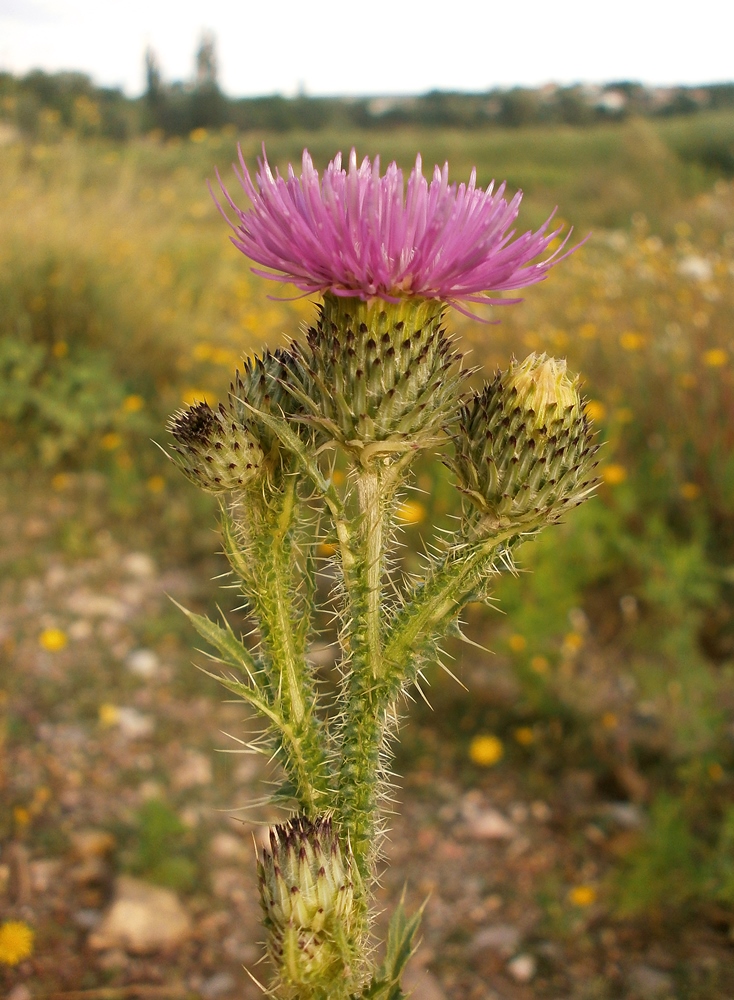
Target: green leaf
<point>235,653</point>
<point>401,945</point>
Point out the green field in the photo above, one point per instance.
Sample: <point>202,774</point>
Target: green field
<point>611,682</point>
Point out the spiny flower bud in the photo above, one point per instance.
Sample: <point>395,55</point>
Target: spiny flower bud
<point>268,384</point>
<point>385,374</point>
<point>307,899</point>
<point>228,448</point>
<point>213,450</point>
<point>525,451</point>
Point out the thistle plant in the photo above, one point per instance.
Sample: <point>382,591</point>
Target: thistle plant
<point>375,383</point>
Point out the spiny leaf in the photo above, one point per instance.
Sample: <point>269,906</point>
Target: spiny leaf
<point>400,947</point>
<point>234,652</point>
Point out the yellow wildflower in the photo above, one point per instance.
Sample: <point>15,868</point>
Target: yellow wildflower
<point>156,484</point>
<point>486,750</point>
<point>631,341</point>
<point>524,735</point>
<point>540,665</point>
<point>21,817</point>
<point>111,441</point>
<point>613,475</point>
<point>16,942</point>
<point>690,491</point>
<point>582,895</point>
<point>716,772</point>
<point>108,714</point>
<point>60,482</point>
<point>517,643</point>
<point>133,404</point>
<point>52,640</point>
<point>595,410</point>
<point>411,512</point>
<point>572,642</point>
<point>715,358</point>
<point>202,351</point>
<point>192,396</point>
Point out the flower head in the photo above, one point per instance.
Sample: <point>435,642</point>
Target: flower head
<point>16,942</point>
<point>356,233</point>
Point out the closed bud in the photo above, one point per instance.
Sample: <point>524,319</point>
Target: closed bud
<point>525,449</point>
<point>228,448</point>
<point>213,450</point>
<point>273,384</point>
<point>307,898</point>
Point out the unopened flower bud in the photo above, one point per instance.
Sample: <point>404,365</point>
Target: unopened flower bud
<point>307,899</point>
<point>525,450</point>
<point>271,384</point>
<point>228,448</point>
<point>213,450</point>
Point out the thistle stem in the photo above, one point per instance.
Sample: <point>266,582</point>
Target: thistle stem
<point>429,610</point>
<point>267,564</point>
<point>372,513</point>
<point>362,734</point>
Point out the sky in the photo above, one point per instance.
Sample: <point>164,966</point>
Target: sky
<point>376,47</point>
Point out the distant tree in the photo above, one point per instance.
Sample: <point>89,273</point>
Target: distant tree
<point>206,63</point>
<point>519,106</point>
<point>152,76</point>
<point>207,104</point>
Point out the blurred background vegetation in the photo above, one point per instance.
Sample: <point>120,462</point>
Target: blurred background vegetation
<point>120,298</point>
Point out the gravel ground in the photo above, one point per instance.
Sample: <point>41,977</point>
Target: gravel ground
<point>113,784</point>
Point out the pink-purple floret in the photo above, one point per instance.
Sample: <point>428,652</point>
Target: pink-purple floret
<point>358,234</point>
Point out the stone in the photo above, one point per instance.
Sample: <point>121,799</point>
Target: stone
<point>647,982</point>
<point>522,968</point>
<point>86,918</point>
<point>92,843</point>
<point>420,984</point>
<point>19,992</point>
<point>44,872</point>
<point>194,769</point>
<point>139,565</point>
<point>501,938</point>
<point>133,724</point>
<point>227,847</point>
<point>144,663</point>
<point>141,919</point>
<point>230,883</point>
<point>490,824</point>
<point>113,961</point>
<point>540,811</point>
<point>625,814</point>
<point>218,985</point>
<point>88,605</point>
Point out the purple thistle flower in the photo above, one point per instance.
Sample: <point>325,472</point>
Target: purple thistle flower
<point>355,233</point>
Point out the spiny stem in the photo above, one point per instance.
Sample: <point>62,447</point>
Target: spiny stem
<point>372,513</point>
<point>429,609</point>
<point>268,566</point>
<point>362,732</point>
